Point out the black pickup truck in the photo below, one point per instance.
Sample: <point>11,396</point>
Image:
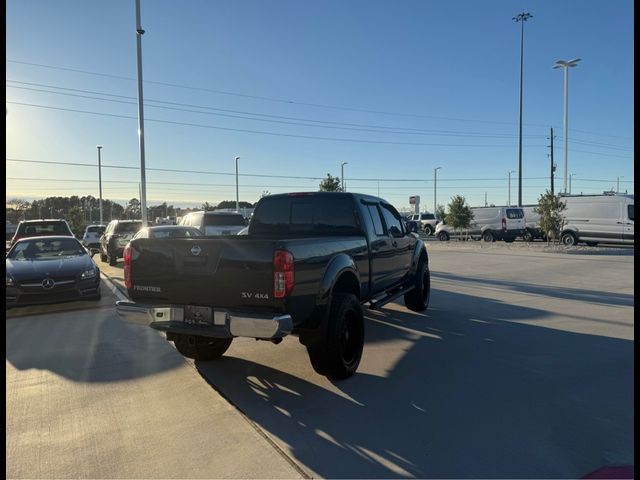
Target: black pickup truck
<point>306,267</point>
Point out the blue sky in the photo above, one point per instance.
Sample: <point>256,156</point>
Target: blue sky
<point>296,88</point>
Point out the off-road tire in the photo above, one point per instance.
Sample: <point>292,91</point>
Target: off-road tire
<point>488,237</point>
<point>428,230</point>
<point>418,298</point>
<point>443,236</point>
<point>338,355</point>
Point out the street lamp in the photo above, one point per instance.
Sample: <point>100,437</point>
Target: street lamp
<point>521,17</point>
<point>509,173</point>
<point>618,184</point>
<point>342,176</point>
<point>99,147</point>
<point>143,181</point>
<point>566,64</point>
<point>435,178</point>
<point>237,191</point>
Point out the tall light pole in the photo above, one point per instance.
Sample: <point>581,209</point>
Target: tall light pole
<point>618,184</point>
<point>143,183</point>
<point>99,147</point>
<point>521,17</point>
<point>566,64</point>
<point>509,173</point>
<point>237,191</point>
<point>435,178</point>
<point>342,176</point>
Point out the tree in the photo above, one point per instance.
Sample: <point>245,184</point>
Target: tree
<point>550,208</point>
<point>460,214</point>
<point>132,210</point>
<point>440,213</point>
<point>226,204</point>
<point>330,184</point>
<point>76,220</point>
<point>20,205</point>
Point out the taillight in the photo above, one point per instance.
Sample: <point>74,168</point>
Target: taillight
<point>504,223</point>
<point>283,277</point>
<point>127,267</point>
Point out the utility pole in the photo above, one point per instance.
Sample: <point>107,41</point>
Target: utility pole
<point>553,167</point>
<point>99,147</point>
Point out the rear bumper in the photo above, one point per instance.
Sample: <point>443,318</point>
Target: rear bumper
<point>225,324</point>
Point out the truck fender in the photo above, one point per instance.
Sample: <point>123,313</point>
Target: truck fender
<point>316,328</point>
<point>338,265</point>
<point>419,251</point>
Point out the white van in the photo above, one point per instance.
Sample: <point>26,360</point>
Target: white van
<point>490,224</point>
<point>597,218</point>
<point>532,224</point>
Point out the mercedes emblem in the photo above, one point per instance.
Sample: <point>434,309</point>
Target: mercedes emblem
<point>48,283</point>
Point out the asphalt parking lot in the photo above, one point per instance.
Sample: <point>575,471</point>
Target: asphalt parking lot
<point>522,367</point>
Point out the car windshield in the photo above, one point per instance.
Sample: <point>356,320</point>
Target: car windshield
<point>46,249</point>
<point>128,227</point>
<point>43,228</point>
<point>221,219</point>
<point>95,229</point>
<point>174,233</point>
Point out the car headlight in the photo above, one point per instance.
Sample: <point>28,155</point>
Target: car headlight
<point>9,281</point>
<point>89,273</point>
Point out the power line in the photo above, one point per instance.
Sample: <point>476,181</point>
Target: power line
<point>257,97</point>
<point>404,130</point>
<point>259,132</point>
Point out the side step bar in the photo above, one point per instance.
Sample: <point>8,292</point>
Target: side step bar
<point>389,297</point>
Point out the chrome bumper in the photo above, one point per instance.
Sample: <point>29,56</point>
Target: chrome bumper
<point>170,318</point>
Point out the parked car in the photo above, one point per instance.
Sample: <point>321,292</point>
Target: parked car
<point>427,221</point>
<point>115,238</point>
<point>215,223</point>
<point>489,224</point>
<point>50,269</point>
<point>168,231</point>
<point>40,228</point>
<point>598,218</point>
<point>91,236</point>
<point>309,263</point>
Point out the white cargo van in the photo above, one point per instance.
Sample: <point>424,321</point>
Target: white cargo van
<point>490,224</point>
<point>532,224</point>
<point>597,218</point>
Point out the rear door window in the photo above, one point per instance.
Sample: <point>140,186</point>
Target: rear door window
<point>128,227</point>
<point>378,228</point>
<point>513,213</point>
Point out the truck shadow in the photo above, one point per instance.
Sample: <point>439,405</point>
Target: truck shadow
<point>91,345</point>
<point>580,294</point>
<point>469,396</point>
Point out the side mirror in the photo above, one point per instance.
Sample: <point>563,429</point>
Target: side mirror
<point>395,231</point>
<point>93,251</point>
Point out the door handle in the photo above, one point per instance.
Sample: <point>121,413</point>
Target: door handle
<point>620,223</point>
<point>394,243</point>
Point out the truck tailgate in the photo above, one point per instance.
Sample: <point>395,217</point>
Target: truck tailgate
<point>222,272</point>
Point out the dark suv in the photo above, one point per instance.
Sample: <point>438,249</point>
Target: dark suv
<point>39,228</point>
<point>116,237</point>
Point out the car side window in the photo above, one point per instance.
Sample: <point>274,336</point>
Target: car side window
<point>374,214</point>
<point>392,219</point>
<point>630,212</point>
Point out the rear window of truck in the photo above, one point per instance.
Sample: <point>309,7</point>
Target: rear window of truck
<point>43,228</point>
<point>305,214</point>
